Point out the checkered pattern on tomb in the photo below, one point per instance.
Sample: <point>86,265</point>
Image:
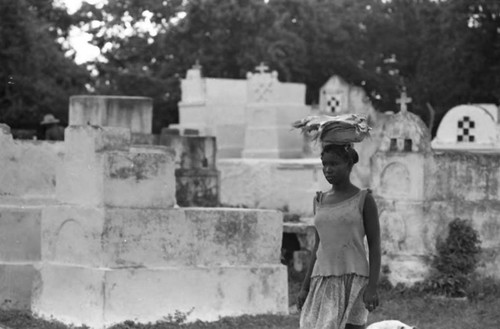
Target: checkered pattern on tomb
<point>333,103</point>
<point>465,130</point>
<point>263,90</point>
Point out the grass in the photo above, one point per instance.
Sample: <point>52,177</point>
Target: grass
<point>414,308</point>
<point>427,311</point>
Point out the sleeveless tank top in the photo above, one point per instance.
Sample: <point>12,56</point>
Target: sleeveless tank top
<point>341,231</point>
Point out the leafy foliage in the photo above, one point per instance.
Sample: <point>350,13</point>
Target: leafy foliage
<point>459,253</point>
<point>456,260</point>
<point>36,76</point>
<point>444,52</point>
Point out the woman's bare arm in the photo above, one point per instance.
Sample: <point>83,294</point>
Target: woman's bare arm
<point>372,230</point>
<point>307,279</point>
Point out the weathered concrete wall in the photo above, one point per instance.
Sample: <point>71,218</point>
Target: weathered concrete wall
<point>20,252</point>
<point>271,183</point>
<point>274,183</point>
<point>27,183</point>
<point>465,176</point>
<point>133,237</point>
<point>268,133</point>
<point>210,262</point>
<point>467,186</point>
<point>28,168</point>
<point>134,113</point>
<point>418,195</point>
<point>101,168</point>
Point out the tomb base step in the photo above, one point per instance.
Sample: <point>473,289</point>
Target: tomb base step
<point>16,280</point>
<point>101,297</point>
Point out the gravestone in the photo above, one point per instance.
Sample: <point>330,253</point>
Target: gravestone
<point>271,108</point>
<point>469,127</point>
<point>197,178</point>
<point>134,113</point>
<point>208,107</point>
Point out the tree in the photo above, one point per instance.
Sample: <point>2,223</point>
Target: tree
<point>444,52</point>
<point>37,78</point>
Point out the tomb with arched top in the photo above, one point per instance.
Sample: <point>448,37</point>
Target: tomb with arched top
<point>473,127</point>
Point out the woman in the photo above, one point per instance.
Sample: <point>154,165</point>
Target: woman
<point>340,286</point>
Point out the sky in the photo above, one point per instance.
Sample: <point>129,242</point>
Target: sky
<point>78,39</point>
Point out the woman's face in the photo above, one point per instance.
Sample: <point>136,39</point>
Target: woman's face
<point>335,168</point>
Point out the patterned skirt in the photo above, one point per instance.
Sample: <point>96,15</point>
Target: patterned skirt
<point>334,301</point>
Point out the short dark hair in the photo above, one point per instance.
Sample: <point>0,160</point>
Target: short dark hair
<point>345,151</point>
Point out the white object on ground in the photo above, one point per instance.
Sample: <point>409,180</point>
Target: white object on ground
<point>390,324</point>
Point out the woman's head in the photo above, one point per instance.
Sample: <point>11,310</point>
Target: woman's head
<point>338,161</point>
<point>344,151</point>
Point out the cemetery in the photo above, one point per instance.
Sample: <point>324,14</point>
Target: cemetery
<point>191,220</point>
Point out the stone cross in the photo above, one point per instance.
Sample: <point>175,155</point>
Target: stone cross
<point>403,100</point>
<point>262,68</point>
<point>197,65</point>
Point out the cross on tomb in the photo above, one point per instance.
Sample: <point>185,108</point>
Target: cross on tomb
<point>262,68</point>
<point>403,101</point>
<point>197,65</point>
<point>465,127</point>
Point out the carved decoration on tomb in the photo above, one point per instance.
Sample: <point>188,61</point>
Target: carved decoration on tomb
<point>395,180</point>
<point>333,96</point>
<point>262,85</point>
<point>465,130</point>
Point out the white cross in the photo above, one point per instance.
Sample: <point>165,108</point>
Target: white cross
<point>403,100</point>
<point>262,68</point>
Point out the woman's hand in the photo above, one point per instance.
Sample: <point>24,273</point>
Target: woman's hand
<point>301,298</point>
<point>370,298</point>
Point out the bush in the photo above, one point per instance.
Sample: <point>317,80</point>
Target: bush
<point>456,260</point>
<point>459,253</point>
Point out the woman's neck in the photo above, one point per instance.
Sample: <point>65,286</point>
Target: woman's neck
<point>342,186</point>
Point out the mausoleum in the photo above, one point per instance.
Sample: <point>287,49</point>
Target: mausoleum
<point>250,118</point>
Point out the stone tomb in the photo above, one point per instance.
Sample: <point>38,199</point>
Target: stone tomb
<point>249,118</point>
<point>469,127</point>
<point>117,250</point>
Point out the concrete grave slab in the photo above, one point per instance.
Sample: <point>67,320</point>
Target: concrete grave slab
<point>134,113</point>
